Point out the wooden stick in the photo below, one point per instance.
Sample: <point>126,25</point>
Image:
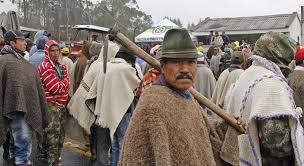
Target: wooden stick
<point>123,40</point>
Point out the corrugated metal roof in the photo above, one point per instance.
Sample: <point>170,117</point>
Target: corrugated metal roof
<point>269,22</point>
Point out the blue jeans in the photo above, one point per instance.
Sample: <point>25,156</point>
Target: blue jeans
<point>21,139</point>
<point>103,144</point>
<point>119,137</point>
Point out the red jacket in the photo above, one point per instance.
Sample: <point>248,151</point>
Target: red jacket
<point>55,89</point>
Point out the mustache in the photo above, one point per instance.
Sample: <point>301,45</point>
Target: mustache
<point>184,76</point>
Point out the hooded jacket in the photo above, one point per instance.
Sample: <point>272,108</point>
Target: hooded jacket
<point>37,58</point>
<point>38,35</point>
<point>55,83</point>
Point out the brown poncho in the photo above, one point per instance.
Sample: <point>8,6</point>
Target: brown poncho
<point>20,91</point>
<point>167,129</point>
<point>296,83</point>
<point>79,72</point>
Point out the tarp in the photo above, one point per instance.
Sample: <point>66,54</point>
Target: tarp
<point>157,32</point>
<point>10,22</point>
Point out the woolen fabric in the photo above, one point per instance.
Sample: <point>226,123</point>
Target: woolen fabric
<point>21,91</point>
<point>83,113</point>
<point>79,71</point>
<point>167,129</point>
<point>296,83</point>
<point>205,81</point>
<point>261,94</point>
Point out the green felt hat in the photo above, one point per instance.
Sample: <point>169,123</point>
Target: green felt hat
<point>177,44</point>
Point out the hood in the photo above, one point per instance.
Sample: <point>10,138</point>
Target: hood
<point>41,41</point>
<point>113,48</point>
<point>47,47</point>
<point>39,34</point>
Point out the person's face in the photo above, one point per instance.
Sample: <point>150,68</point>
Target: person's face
<point>215,51</point>
<point>19,44</point>
<point>28,49</point>
<point>216,33</point>
<point>179,73</point>
<point>54,53</point>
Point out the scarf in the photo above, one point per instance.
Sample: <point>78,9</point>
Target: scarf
<point>233,67</point>
<point>260,61</point>
<point>8,49</point>
<point>161,81</point>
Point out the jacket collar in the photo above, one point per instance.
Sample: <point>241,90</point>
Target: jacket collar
<point>7,49</point>
<point>301,68</point>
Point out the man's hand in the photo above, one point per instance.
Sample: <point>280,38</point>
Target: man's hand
<point>241,123</point>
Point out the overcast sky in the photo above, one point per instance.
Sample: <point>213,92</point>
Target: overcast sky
<point>193,10</point>
<point>6,6</point>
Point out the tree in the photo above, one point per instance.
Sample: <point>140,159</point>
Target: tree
<point>124,13</point>
<point>176,21</point>
<point>59,15</point>
<point>191,26</point>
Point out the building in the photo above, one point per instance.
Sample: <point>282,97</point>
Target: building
<point>251,28</point>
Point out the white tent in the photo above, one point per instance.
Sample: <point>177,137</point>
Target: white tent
<point>157,32</point>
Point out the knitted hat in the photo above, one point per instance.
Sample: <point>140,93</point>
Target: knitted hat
<point>177,44</point>
<point>125,50</point>
<point>126,54</point>
<point>299,55</point>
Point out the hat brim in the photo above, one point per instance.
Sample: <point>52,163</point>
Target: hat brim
<point>20,37</point>
<point>179,56</point>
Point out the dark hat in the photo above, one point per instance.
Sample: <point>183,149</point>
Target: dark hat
<point>237,57</point>
<point>125,50</point>
<point>12,35</point>
<point>177,44</point>
<point>126,54</point>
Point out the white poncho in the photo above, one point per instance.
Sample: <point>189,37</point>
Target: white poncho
<point>262,93</point>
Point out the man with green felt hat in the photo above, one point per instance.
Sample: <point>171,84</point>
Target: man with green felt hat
<point>168,126</point>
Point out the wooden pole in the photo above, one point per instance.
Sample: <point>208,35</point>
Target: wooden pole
<point>123,40</point>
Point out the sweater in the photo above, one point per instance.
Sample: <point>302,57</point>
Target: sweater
<point>167,129</point>
<point>55,88</point>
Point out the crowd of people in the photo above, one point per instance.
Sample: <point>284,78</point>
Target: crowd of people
<point>144,116</point>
